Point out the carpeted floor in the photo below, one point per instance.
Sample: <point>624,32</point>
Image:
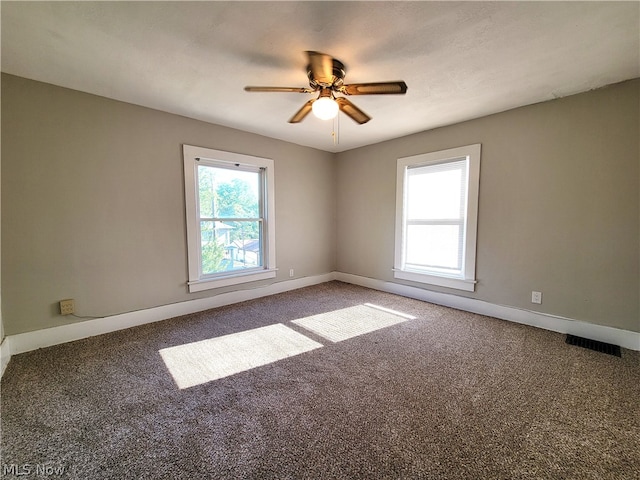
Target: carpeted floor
<point>321,383</point>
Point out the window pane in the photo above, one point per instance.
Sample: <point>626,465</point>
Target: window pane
<point>206,190</point>
<point>436,193</point>
<point>226,193</point>
<point>228,246</point>
<point>434,246</point>
<point>213,239</point>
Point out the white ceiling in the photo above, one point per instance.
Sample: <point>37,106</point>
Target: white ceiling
<point>461,60</point>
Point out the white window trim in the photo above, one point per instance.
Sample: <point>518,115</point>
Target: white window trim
<point>467,280</point>
<point>197,282</point>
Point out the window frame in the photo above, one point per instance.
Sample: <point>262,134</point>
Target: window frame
<point>193,157</point>
<point>467,279</point>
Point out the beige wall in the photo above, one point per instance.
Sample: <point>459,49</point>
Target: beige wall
<point>559,205</point>
<point>93,204</point>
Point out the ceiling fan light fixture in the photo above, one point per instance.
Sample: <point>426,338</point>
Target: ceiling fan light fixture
<point>325,108</point>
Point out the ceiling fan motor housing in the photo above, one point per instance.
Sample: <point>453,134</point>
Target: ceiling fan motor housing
<point>336,80</point>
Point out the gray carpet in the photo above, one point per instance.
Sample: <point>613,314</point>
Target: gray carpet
<point>320,383</point>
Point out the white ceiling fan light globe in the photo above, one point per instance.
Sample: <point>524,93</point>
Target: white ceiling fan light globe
<point>325,108</point>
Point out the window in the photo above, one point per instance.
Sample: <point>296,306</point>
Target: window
<point>230,218</point>
<point>436,217</point>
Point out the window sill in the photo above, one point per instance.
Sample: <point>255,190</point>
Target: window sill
<point>441,281</point>
<point>233,279</point>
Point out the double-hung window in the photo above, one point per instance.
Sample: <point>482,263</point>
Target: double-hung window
<point>230,218</point>
<point>436,217</point>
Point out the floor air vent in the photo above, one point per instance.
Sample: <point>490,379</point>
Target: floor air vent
<point>602,347</point>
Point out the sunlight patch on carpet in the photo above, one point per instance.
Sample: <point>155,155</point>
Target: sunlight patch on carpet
<point>351,322</point>
<point>200,362</point>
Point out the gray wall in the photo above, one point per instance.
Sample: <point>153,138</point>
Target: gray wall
<point>558,212</point>
<point>93,204</point>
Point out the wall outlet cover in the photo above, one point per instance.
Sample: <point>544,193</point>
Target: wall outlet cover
<point>67,307</point>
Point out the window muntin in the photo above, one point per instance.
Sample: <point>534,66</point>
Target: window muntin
<point>230,218</point>
<point>436,217</point>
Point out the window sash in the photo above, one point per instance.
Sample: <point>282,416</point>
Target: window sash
<point>231,255</point>
<point>434,266</point>
<point>431,185</point>
<point>426,187</point>
<point>228,170</point>
<point>229,259</point>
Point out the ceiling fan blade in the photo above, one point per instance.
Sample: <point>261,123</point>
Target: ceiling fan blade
<point>279,89</point>
<point>352,111</point>
<point>303,112</point>
<point>398,87</point>
<point>321,66</point>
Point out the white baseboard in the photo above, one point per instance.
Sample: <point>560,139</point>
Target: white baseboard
<point>25,342</point>
<point>5,355</point>
<point>615,336</point>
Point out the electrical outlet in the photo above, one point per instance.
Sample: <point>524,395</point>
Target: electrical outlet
<point>536,297</point>
<point>291,272</point>
<point>67,307</point>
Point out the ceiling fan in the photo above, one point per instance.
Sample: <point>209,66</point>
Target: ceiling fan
<point>326,75</point>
